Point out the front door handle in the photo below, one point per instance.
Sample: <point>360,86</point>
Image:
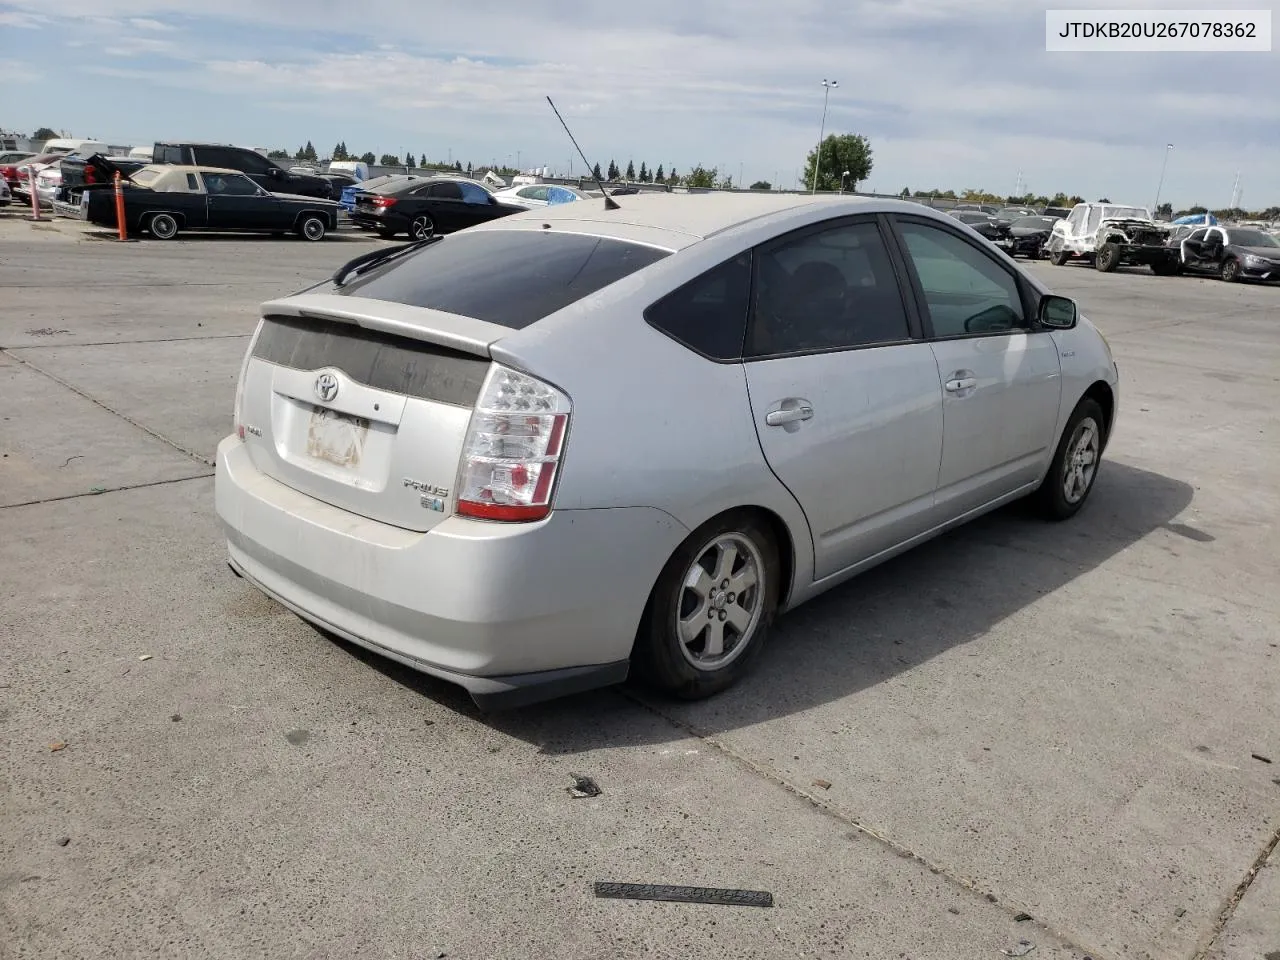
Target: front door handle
<point>778,418</point>
<point>961,383</point>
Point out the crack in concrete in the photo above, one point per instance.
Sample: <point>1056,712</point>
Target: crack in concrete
<point>850,819</point>
<point>96,402</point>
<point>117,343</point>
<point>104,490</point>
<point>1233,901</point>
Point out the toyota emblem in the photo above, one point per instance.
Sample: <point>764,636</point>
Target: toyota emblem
<point>326,386</point>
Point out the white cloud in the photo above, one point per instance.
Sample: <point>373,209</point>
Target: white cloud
<point>146,23</point>
<point>22,19</point>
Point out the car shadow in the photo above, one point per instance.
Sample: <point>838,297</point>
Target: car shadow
<point>887,621</point>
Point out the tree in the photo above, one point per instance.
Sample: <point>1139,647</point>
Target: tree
<point>644,173</point>
<point>631,170</point>
<point>613,171</point>
<point>1103,200</point>
<point>468,168</point>
<point>700,176</point>
<point>595,172</point>
<point>673,178</point>
<point>368,158</point>
<point>762,185</point>
<point>840,152</point>
<point>659,177</point>
<point>457,165</point>
<point>44,133</point>
<point>389,160</point>
<point>277,154</point>
<point>301,154</point>
<point>906,192</point>
<point>309,152</point>
<point>410,162</point>
<point>1165,210</point>
<point>340,151</point>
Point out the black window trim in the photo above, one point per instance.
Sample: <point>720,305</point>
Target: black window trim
<point>915,330</point>
<point>1027,296</point>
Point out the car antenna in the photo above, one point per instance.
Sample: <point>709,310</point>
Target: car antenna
<point>609,202</point>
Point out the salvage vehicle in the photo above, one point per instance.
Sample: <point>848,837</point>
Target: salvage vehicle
<point>89,173</point>
<point>1229,253</point>
<point>17,175</point>
<point>993,228</point>
<point>1030,234</point>
<point>423,208</point>
<point>655,426</point>
<point>265,172</point>
<point>164,199</point>
<point>541,194</point>
<point>1109,235</point>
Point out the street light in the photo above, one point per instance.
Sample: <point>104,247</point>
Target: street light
<point>826,92</point>
<point>1155,211</point>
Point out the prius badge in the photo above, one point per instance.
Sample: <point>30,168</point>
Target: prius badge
<point>326,386</point>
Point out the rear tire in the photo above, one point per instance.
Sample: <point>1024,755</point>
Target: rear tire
<point>711,609</point>
<point>162,226</point>
<point>1107,258</point>
<point>312,227</point>
<point>421,227</point>
<point>1075,463</point>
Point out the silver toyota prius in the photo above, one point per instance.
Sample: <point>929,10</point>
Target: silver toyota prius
<point>531,455</point>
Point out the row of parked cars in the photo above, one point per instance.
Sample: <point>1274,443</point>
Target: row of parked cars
<point>1112,235</point>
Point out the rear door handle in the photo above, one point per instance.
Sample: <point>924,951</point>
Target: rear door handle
<point>778,418</point>
<point>961,383</point>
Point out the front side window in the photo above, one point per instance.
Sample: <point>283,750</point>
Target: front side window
<point>966,291</point>
<point>825,290</point>
<point>709,313</point>
<point>1095,218</point>
<point>474,193</point>
<point>1075,220</point>
<point>229,185</point>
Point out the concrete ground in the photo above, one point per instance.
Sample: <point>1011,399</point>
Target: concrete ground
<point>1049,733</point>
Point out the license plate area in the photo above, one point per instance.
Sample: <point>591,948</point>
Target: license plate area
<point>337,438</point>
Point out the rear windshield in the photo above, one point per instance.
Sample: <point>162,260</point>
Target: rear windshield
<point>509,277</point>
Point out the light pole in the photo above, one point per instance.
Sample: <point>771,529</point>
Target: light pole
<point>517,161</point>
<point>826,92</point>
<point>843,177</point>
<point>1155,212</point>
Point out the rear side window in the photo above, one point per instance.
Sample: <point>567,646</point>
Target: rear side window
<point>509,277</point>
<point>445,191</point>
<point>709,313</point>
<point>380,360</point>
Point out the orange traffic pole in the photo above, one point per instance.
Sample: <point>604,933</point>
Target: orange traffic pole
<point>123,235</point>
<point>35,197</point>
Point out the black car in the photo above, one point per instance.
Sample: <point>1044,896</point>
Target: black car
<point>1230,253</point>
<point>993,228</point>
<point>425,207</point>
<point>262,171</point>
<point>1058,213</point>
<point>165,199</point>
<point>1030,234</point>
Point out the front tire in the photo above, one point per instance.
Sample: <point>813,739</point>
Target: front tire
<point>312,227</point>
<point>711,609</point>
<point>162,226</point>
<point>1058,257</point>
<point>1230,271</point>
<point>1075,463</point>
<point>1107,258</point>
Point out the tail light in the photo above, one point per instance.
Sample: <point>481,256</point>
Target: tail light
<point>383,202</point>
<point>511,457</point>
<point>90,174</point>
<point>244,368</point>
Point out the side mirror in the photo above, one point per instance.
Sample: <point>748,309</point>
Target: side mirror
<point>1057,313</point>
<point>275,173</point>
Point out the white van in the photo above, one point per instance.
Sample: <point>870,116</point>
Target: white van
<point>357,169</point>
<point>69,145</point>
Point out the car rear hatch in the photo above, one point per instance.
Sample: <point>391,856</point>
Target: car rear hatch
<point>365,406</point>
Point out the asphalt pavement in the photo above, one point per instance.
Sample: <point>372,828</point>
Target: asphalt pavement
<point>1067,734</point>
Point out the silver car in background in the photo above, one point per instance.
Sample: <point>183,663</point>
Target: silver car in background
<point>654,429</point>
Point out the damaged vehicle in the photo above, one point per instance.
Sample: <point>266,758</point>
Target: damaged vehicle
<point>1109,235</point>
<point>1229,253</point>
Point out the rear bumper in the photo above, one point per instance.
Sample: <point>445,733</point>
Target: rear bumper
<point>513,613</point>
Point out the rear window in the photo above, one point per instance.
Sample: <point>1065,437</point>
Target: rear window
<point>509,277</point>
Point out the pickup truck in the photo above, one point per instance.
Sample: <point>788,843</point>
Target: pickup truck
<point>262,171</point>
<point>165,199</point>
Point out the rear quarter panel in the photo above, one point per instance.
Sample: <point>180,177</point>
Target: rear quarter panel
<point>653,423</point>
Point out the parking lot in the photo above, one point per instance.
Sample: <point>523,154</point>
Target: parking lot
<point>1061,734</point>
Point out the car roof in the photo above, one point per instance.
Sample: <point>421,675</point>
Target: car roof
<point>190,168</point>
<point>684,218</point>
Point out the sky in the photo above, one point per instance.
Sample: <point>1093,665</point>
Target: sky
<point>951,93</point>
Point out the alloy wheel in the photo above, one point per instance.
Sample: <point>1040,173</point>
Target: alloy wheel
<point>719,606</point>
<point>1082,461</point>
